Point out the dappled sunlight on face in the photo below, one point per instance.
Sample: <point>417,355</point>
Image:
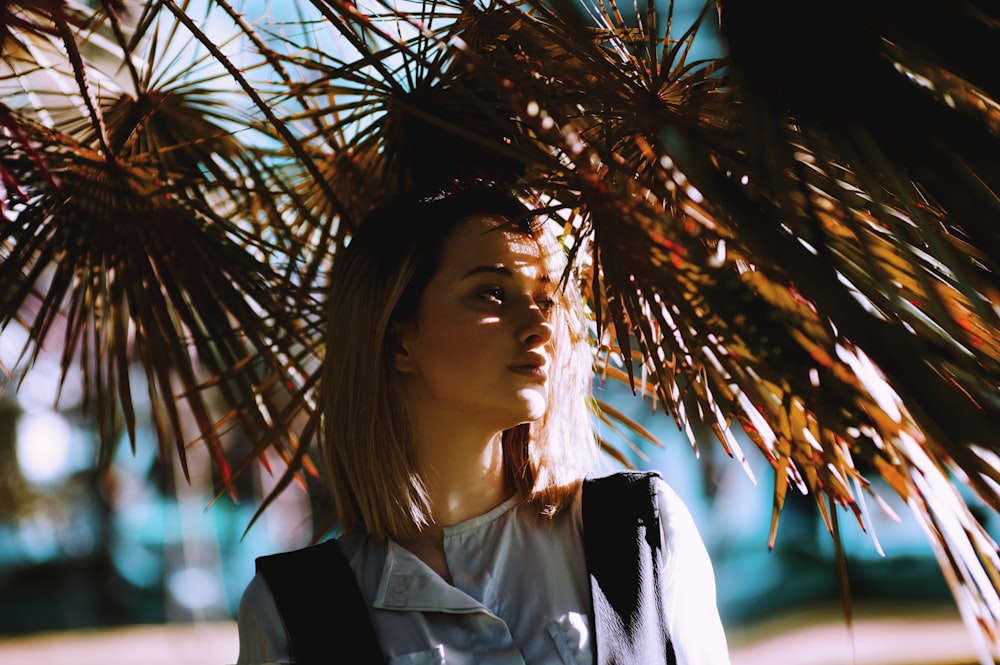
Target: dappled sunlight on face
<point>478,348</point>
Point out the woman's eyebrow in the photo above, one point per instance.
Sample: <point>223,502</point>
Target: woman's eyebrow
<point>496,269</point>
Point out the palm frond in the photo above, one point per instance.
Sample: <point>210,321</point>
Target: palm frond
<point>156,245</point>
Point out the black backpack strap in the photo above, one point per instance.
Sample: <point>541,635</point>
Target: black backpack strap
<point>321,605</point>
<point>621,538</point>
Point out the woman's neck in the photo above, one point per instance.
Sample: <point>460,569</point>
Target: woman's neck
<point>463,475</point>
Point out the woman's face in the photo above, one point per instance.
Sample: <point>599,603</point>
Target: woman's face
<point>478,349</point>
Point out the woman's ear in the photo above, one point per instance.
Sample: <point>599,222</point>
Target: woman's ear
<point>399,336</point>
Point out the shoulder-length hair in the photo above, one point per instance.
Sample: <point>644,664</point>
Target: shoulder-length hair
<point>366,446</point>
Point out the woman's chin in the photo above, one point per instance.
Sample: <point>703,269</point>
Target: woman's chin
<point>535,403</point>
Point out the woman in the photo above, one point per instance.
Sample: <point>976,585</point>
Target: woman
<point>457,438</point>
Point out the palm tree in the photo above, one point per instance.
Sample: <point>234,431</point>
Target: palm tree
<point>797,234</point>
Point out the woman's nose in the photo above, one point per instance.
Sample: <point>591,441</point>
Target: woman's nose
<point>536,329</point>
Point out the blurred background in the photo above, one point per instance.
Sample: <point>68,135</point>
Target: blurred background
<point>139,562</point>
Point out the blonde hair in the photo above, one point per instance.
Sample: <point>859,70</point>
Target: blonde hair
<point>377,281</point>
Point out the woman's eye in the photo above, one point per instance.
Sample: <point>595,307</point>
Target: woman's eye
<point>492,295</point>
<point>546,303</point>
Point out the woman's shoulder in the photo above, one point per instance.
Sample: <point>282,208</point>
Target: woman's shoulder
<point>255,595</point>
<point>620,480</point>
<point>670,507</point>
<point>262,637</point>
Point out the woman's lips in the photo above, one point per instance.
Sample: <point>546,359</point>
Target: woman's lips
<point>533,371</point>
